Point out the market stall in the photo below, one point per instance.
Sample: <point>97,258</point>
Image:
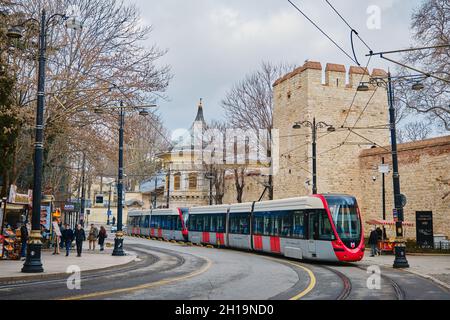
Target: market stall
<point>388,241</point>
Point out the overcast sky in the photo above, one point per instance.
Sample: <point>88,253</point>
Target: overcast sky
<point>213,43</point>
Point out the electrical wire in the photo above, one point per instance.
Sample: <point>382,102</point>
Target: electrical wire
<point>323,32</point>
<point>351,28</point>
<point>356,93</point>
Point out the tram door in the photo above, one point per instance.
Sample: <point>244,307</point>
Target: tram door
<point>313,231</point>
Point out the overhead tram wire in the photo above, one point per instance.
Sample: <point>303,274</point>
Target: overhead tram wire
<point>356,93</point>
<point>351,28</point>
<point>323,32</point>
<point>360,115</point>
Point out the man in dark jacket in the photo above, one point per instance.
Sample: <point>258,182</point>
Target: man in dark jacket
<point>373,241</point>
<point>67,238</point>
<point>24,239</point>
<point>80,236</point>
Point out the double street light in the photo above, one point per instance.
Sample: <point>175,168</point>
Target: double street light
<point>33,262</point>
<point>314,126</point>
<point>143,111</point>
<point>416,80</point>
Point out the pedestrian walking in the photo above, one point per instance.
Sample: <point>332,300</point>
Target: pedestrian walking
<point>113,220</point>
<point>380,238</point>
<point>67,238</point>
<point>373,241</point>
<point>80,236</point>
<point>24,239</point>
<point>93,235</point>
<point>61,242</point>
<point>102,235</point>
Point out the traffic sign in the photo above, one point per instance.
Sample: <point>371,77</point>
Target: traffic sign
<point>383,168</point>
<point>109,213</point>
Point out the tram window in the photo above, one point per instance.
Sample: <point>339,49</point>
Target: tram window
<point>286,224</point>
<point>206,223</point>
<point>258,224</point>
<point>157,221</point>
<point>199,223</point>
<point>267,225</point>
<point>298,230</point>
<point>221,223</point>
<point>146,222</point>
<point>192,222</point>
<point>325,231</point>
<point>213,226</point>
<point>239,223</point>
<point>178,224</point>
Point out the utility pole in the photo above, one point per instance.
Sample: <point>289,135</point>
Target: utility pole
<point>109,204</point>
<point>118,240</point>
<point>33,262</point>
<point>400,247</point>
<point>383,196</point>
<point>155,195</point>
<point>314,127</point>
<point>83,190</point>
<point>168,188</point>
<point>210,185</point>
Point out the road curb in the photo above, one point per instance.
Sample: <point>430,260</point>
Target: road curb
<point>441,283</point>
<point>42,276</point>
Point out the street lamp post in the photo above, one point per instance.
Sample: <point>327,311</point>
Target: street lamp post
<point>83,191</point>
<point>400,247</point>
<point>314,126</point>
<point>154,193</point>
<point>118,240</point>
<point>109,204</point>
<point>33,262</point>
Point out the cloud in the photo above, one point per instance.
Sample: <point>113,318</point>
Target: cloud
<point>213,44</point>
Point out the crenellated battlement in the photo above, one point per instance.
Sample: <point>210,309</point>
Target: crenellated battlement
<point>335,74</point>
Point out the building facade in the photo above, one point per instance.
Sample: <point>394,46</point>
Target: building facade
<point>348,159</point>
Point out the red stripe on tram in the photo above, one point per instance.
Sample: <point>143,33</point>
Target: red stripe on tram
<point>205,237</point>
<point>275,244</point>
<point>257,240</point>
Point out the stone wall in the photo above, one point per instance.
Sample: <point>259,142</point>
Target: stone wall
<point>424,168</point>
<point>301,95</point>
<point>254,187</point>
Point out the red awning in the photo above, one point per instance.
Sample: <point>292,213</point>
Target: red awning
<point>388,223</point>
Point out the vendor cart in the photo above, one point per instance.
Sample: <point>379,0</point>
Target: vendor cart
<point>387,243</point>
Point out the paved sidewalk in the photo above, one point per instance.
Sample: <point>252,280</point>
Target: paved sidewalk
<point>58,264</point>
<point>436,268</point>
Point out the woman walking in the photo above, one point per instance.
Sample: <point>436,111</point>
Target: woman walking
<point>101,237</point>
<point>80,236</point>
<point>93,235</point>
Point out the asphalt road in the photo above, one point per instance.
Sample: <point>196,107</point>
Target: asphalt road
<point>175,271</point>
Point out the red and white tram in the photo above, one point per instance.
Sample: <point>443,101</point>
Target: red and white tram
<point>168,224</point>
<point>319,227</point>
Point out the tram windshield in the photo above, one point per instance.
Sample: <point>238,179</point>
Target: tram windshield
<point>346,219</point>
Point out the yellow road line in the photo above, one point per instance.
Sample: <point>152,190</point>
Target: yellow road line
<point>142,286</point>
<point>312,278</point>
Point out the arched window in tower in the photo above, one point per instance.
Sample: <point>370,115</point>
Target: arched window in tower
<point>177,181</point>
<point>192,181</point>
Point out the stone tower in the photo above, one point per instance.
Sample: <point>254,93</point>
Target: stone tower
<point>302,95</point>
